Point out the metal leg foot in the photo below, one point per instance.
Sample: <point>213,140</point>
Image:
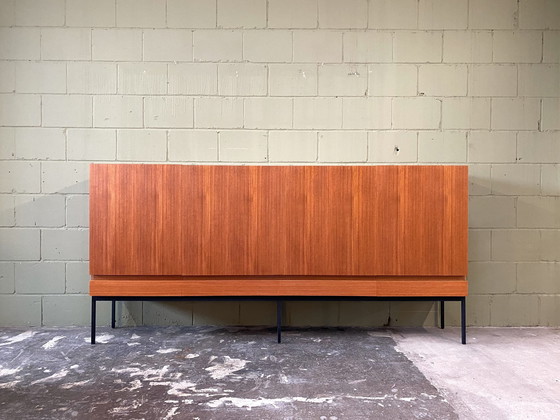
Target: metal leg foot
<point>93,318</point>
<point>442,314</point>
<point>113,313</point>
<point>279,320</point>
<point>463,321</point>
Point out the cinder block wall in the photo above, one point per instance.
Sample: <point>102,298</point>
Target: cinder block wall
<point>472,82</point>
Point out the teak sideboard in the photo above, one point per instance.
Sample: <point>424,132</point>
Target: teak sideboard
<point>169,232</point>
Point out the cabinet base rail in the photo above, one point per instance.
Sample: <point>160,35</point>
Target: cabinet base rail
<point>279,304</point>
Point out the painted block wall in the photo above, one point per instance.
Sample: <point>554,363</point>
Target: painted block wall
<point>472,82</point>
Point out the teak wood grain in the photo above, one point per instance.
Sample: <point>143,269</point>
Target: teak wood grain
<point>184,220</point>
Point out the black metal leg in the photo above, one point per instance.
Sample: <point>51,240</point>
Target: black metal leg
<point>93,318</point>
<point>279,320</point>
<point>442,314</point>
<point>113,313</point>
<point>463,321</point>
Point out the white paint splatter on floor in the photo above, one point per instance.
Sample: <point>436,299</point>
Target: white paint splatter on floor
<point>229,366</point>
<point>171,413</point>
<point>6,372</point>
<point>18,338</point>
<point>261,402</point>
<point>73,384</point>
<point>52,342</point>
<point>53,377</point>
<point>8,385</point>
<point>192,355</point>
<point>165,351</point>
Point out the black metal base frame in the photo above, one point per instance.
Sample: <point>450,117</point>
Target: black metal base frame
<point>279,301</point>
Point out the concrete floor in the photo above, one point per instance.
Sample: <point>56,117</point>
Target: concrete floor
<point>327,374</point>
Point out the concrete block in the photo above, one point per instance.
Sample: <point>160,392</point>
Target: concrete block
<point>91,77</point>
<point>363,314</point>
<point>7,279</point>
<point>412,314</point>
<point>515,114</point>
<point>65,177</point>
<point>215,313</point>
<point>467,47</point>
<point>217,45</point>
<point>351,14</point>
<point>218,112</point>
<point>193,146</point>
<point>292,146</point>
<point>257,313</point>
<point>267,46</point>
<point>193,79</point>
<point>550,176</point>
<point>539,14</point>
<point>465,113</point>
<point>77,211</point>
<point>20,44</point>
<point>364,47</point>
<point>8,13</point>
<point>117,111</point>
<point>39,12</point>
<point>443,14</point>
<point>191,14</point>
<point>392,146</point>
<point>538,277</point>
<point>168,45</point>
<point>478,311</point>
<point>442,146</point>
<point>417,47</point>
<point>7,210</point>
<point>393,80</point>
<point>514,310</point>
<point>91,144</point>
<point>20,311</point>
<point>242,79</point>
<point>88,14</point>
<point>242,13</point>
<point>40,143</point>
<point>40,77</point>
<point>40,210</point>
<point>538,212</point>
<point>480,245</point>
<point>393,14</point>
<point>343,80</point>
<point>550,112</point>
<point>20,110</point>
<point>116,44</point>
<point>549,311</point>
<point>141,14</point>
<point>142,78</point>
<point>517,47</point>
<point>533,147</point>
<point>311,314</point>
<point>19,244</point>
<point>142,145</point>
<point>343,146</point>
<point>243,146</point>
<point>7,76</point>
<point>498,14</point>
<point>442,80</point>
<point>77,277</point>
<point>551,47</point>
<point>480,181</point>
<point>75,310</point>
<point>167,313</point>
<point>516,245</point>
<point>292,13</point>
<point>268,113</point>
<point>20,177</point>
<point>292,79</point>
<point>493,80</point>
<point>317,113</point>
<point>40,277</point>
<point>66,44</point>
<point>416,113</point>
<point>516,179</point>
<point>67,110</point>
<point>374,113</point>
<point>550,245</point>
<point>317,47</point>
<point>65,245</point>
<point>492,147</point>
<point>168,111</point>
<point>541,80</point>
<point>488,278</point>
<point>492,212</point>
<point>7,143</point>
